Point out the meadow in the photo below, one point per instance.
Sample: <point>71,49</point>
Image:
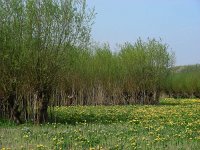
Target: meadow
<point>107,100</point>
<point>173,124</point>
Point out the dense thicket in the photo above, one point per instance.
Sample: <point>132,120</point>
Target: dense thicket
<point>184,82</point>
<point>134,75</point>
<point>35,36</point>
<point>45,61</point>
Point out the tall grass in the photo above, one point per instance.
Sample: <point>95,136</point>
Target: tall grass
<point>174,124</point>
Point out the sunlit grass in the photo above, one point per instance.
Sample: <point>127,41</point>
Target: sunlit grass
<point>174,124</point>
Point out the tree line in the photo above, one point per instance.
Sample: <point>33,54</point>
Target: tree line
<point>47,59</point>
<point>183,82</point>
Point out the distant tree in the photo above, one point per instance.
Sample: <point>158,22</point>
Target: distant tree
<point>146,67</point>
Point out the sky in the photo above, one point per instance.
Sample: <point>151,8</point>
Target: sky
<point>176,22</point>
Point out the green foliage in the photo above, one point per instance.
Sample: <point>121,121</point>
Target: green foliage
<point>47,60</point>
<point>183,82</point>
<point>98,76</point>
<point>35,36</point>
<point>146,65</point>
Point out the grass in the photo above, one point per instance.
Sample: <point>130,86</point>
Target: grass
<point>174,124</point>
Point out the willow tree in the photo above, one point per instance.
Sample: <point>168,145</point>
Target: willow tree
<point>35,35</point>
<point>146,66</point>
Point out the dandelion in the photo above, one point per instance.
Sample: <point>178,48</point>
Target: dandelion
<point>26,136</point>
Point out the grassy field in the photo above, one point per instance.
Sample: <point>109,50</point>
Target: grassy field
<point>174,124</point>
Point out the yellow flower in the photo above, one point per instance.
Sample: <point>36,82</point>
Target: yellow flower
<point>25,136</point>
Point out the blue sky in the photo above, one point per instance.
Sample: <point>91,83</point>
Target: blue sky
<point>177,22</point>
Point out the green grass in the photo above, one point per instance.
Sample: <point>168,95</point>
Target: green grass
<point>174,124</point>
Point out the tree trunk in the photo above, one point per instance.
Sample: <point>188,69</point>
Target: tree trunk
<point>43,114</point>
<point>14,113</point>
<point>44,96</point>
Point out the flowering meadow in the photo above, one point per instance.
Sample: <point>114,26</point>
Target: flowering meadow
<point>173,124</point>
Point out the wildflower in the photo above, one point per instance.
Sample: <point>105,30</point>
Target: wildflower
<point>26,136</point>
